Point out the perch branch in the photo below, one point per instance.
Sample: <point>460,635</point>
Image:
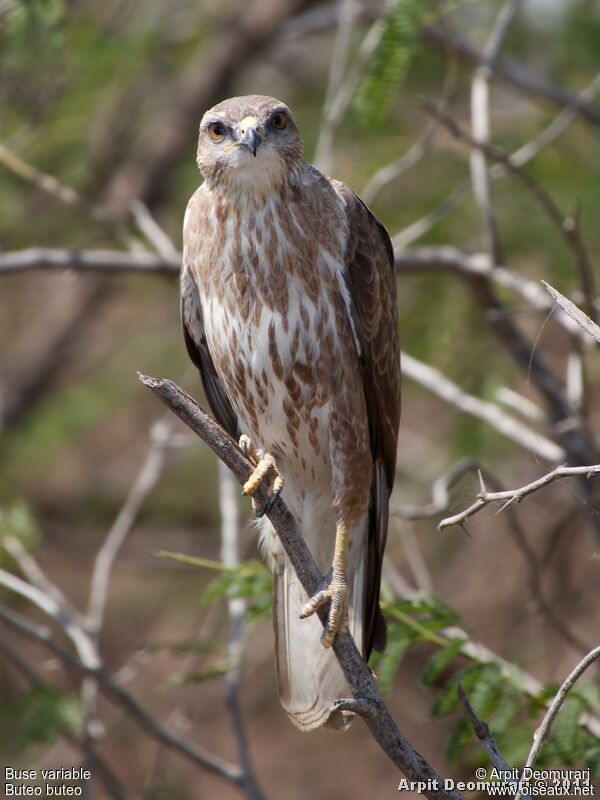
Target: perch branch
<point>356,671</point>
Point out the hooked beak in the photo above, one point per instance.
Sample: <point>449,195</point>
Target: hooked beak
<point>251,138</point>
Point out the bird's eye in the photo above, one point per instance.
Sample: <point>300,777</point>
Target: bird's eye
<point>216,131</point>
<point>278,121</point>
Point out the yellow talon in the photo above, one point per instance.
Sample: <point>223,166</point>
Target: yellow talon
<point>336,592</point>
<point>264,469</point>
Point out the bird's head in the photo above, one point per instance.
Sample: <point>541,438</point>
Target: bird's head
<point>249,143</point>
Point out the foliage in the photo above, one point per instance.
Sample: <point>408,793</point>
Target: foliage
<point>497,698</point>
<point>389,63</point>
<point>18,522</point>
<point>39,716</point>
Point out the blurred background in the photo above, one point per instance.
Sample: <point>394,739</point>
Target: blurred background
<point>99,110</point>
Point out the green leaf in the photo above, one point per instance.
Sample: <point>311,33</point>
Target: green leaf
<point>508,709</point>
<point>39,716</point>
<point>251,581</point>
<point>487,691</point>
<point>590,693</point>
<point>18,521</point>
<point>458,740</point>
<point>388,662</point>
<point>440,661</point>
<point>199,675</point>
<point>565,744</point>
<point>389,63</point>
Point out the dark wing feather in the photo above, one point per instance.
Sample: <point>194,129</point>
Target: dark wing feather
<point>371,281</point>
<point>197,347</point>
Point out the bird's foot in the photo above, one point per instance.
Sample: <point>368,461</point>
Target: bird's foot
<point>265,469</point>
<point>335,592</point>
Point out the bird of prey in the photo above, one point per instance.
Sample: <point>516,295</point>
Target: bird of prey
<point>288,301</point>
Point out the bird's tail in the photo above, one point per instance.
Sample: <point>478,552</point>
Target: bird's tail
<point>310,679</point>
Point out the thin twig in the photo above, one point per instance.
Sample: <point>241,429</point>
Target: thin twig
<point>347,11</point>
<point>516,495</point>
<point>440,493</point>
<point>576,314</point>
<point>145,481</point>
<point>236,607</point>
<point>476,652</point>
<point>334,111</point>
<point>518,76</point>
<point>157,237</point>
<point>484,735</point>
<point>355,670</point>
<point>543,731</point>
<point>118,695</point>
<point>100,768</point>
<point>83,643</point>
<point>480,122</point>
<point>471,266</point>
<point>567,227</point>
<point>109,261</point>
<point>55,188</point>
<point>520,157</point>
<point>490,413</point>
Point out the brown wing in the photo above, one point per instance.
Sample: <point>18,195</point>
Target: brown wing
<point>197,347</point>
<point>371,282</point>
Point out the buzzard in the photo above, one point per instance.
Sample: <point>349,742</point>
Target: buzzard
<point>288,303</point>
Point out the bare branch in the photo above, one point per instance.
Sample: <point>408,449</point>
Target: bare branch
<point>335,110</point>
<point>480,122</point>
<point>440,493</point>
<point>49,184</point>
<point>516,495</point>
<point>490,413</point>
<point>157,237</point>
<point>83,644</point>
<point>347,12</point>
<point>519,157</point>
<point>542,733</point>
<point>470,266</point>
<point>118,695</point>
<point>355,670</point>
<point>145,481</point>
<point>236,607</point>
<point>484,735</point>
<point>518,76</point>
<point>99,766</point>
<point>109,261</point>
<point>567,227</point>
<point>588,325</point>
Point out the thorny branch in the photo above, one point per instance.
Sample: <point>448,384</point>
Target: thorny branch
<point>355,670</point>
<point>484,498</point>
